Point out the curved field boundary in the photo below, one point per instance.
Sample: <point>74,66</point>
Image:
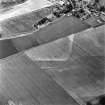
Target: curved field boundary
<point>59,28</point>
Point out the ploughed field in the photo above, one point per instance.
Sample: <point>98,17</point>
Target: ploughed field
<point>23,23</point>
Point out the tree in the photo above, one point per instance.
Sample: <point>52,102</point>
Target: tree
<point>102,8</point>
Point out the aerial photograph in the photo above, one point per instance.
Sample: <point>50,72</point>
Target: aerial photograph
<point>52,52</point>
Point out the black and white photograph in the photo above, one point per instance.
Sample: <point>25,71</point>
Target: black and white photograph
<point>52,52</point>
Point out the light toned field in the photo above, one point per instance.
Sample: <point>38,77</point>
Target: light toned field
<point>22,24</point>
<point>27,7</point>
<point>79,64</point>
